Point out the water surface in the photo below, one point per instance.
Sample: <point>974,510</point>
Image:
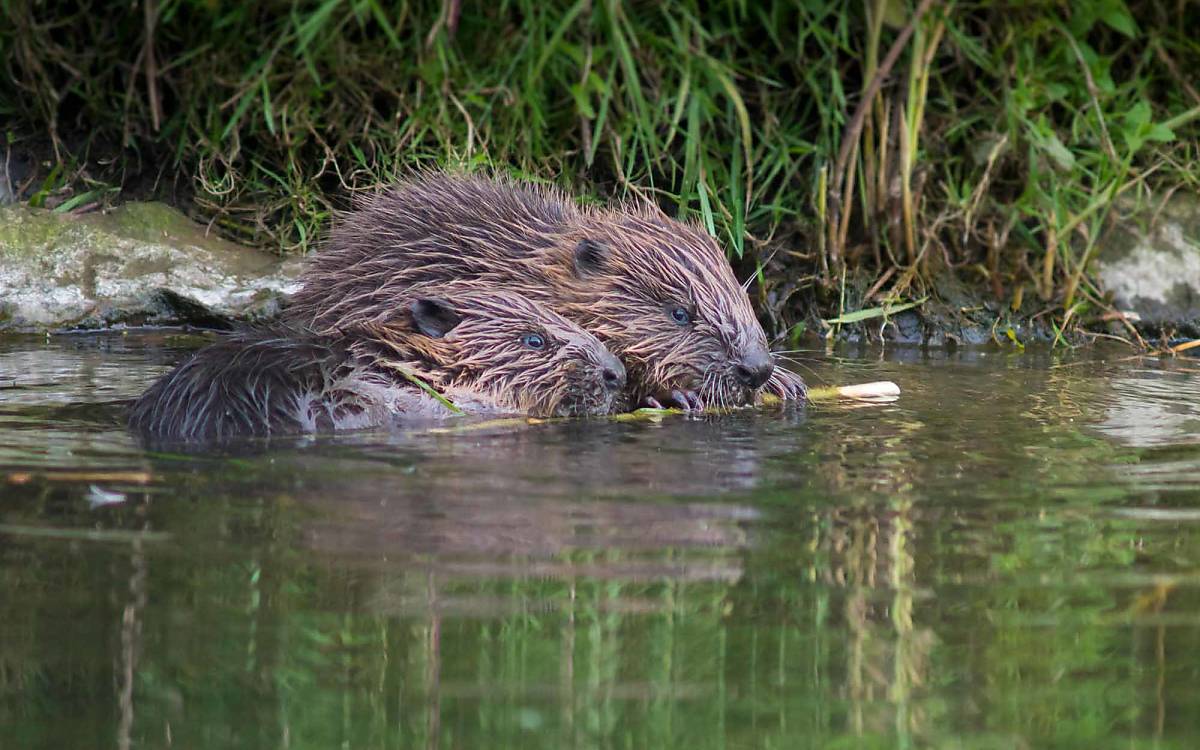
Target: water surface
<point>1006,557</point>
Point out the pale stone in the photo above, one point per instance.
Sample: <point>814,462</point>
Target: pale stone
<point>105,269</point>
<point>1150,261</point>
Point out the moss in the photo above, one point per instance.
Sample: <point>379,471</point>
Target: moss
<point>25,230</point>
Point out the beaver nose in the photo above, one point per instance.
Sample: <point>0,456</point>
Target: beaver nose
<point>613,373</point>
<point>754,368</point>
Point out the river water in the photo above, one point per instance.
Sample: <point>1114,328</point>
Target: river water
<point>1006,557</point>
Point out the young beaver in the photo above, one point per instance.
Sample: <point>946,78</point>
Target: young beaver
<point>658,292</point>
<point>493,352</point>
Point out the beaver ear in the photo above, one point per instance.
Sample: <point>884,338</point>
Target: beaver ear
<point>589,257</point>
<point>434,317</point>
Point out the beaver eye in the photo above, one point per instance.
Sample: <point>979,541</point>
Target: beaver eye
<point>680,316</point>
<point>533,341</point>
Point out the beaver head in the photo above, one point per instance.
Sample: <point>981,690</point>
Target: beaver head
<point>497,347</point>
<point>658,292</point>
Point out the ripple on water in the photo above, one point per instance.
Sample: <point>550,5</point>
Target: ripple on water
<point>1008,556</point>
<point>1149,408</point>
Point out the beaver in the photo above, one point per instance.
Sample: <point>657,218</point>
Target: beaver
<point>484,351</point>
<point>658,292</point>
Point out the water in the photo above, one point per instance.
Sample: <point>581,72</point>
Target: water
<point>1007,557</point>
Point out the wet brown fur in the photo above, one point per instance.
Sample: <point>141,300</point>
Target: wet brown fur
<point>289,380</point>
<point>617,272</point>
<point>484,356</point>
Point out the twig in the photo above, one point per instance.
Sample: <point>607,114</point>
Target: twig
<point>879,392</point>
<point>891,271</point>
<point>1180,348</point>
<point>425,387</point>
<point>1092,93</point>
<point>151,65</point>
<point>133,477</point>
<point>854,128</point>
<point>883,390</point>
<point>1175,74</point>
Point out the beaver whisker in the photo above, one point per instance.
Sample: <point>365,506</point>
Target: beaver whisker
<point>708,386</point>
<point>786,358</point>
<point>806,366</point>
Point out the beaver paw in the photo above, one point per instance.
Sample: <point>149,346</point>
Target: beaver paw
<point>687,400</point>
<point>786,385</point>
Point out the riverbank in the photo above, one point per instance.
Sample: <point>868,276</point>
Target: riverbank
<point>146,264</point>
<point>955,171</point>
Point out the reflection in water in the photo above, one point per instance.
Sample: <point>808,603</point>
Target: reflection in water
<point>1006,557</point>
<point>1154,408</point>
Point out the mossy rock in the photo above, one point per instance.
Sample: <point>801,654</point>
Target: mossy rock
<point>128,266</point>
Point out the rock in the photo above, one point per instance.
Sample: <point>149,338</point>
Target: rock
<point>1151,263</point>
<point>141,263</point>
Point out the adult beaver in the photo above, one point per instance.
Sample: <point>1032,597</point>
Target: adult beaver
<point>658,292</point>
<point>485,352</point>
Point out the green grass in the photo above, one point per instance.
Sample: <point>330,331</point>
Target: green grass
<point>994,147</point>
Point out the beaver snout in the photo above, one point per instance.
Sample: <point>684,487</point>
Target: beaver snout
<point>755,368</point>
<point>613,373</point>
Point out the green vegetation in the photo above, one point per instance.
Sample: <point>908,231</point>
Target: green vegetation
<point>991,138</point>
